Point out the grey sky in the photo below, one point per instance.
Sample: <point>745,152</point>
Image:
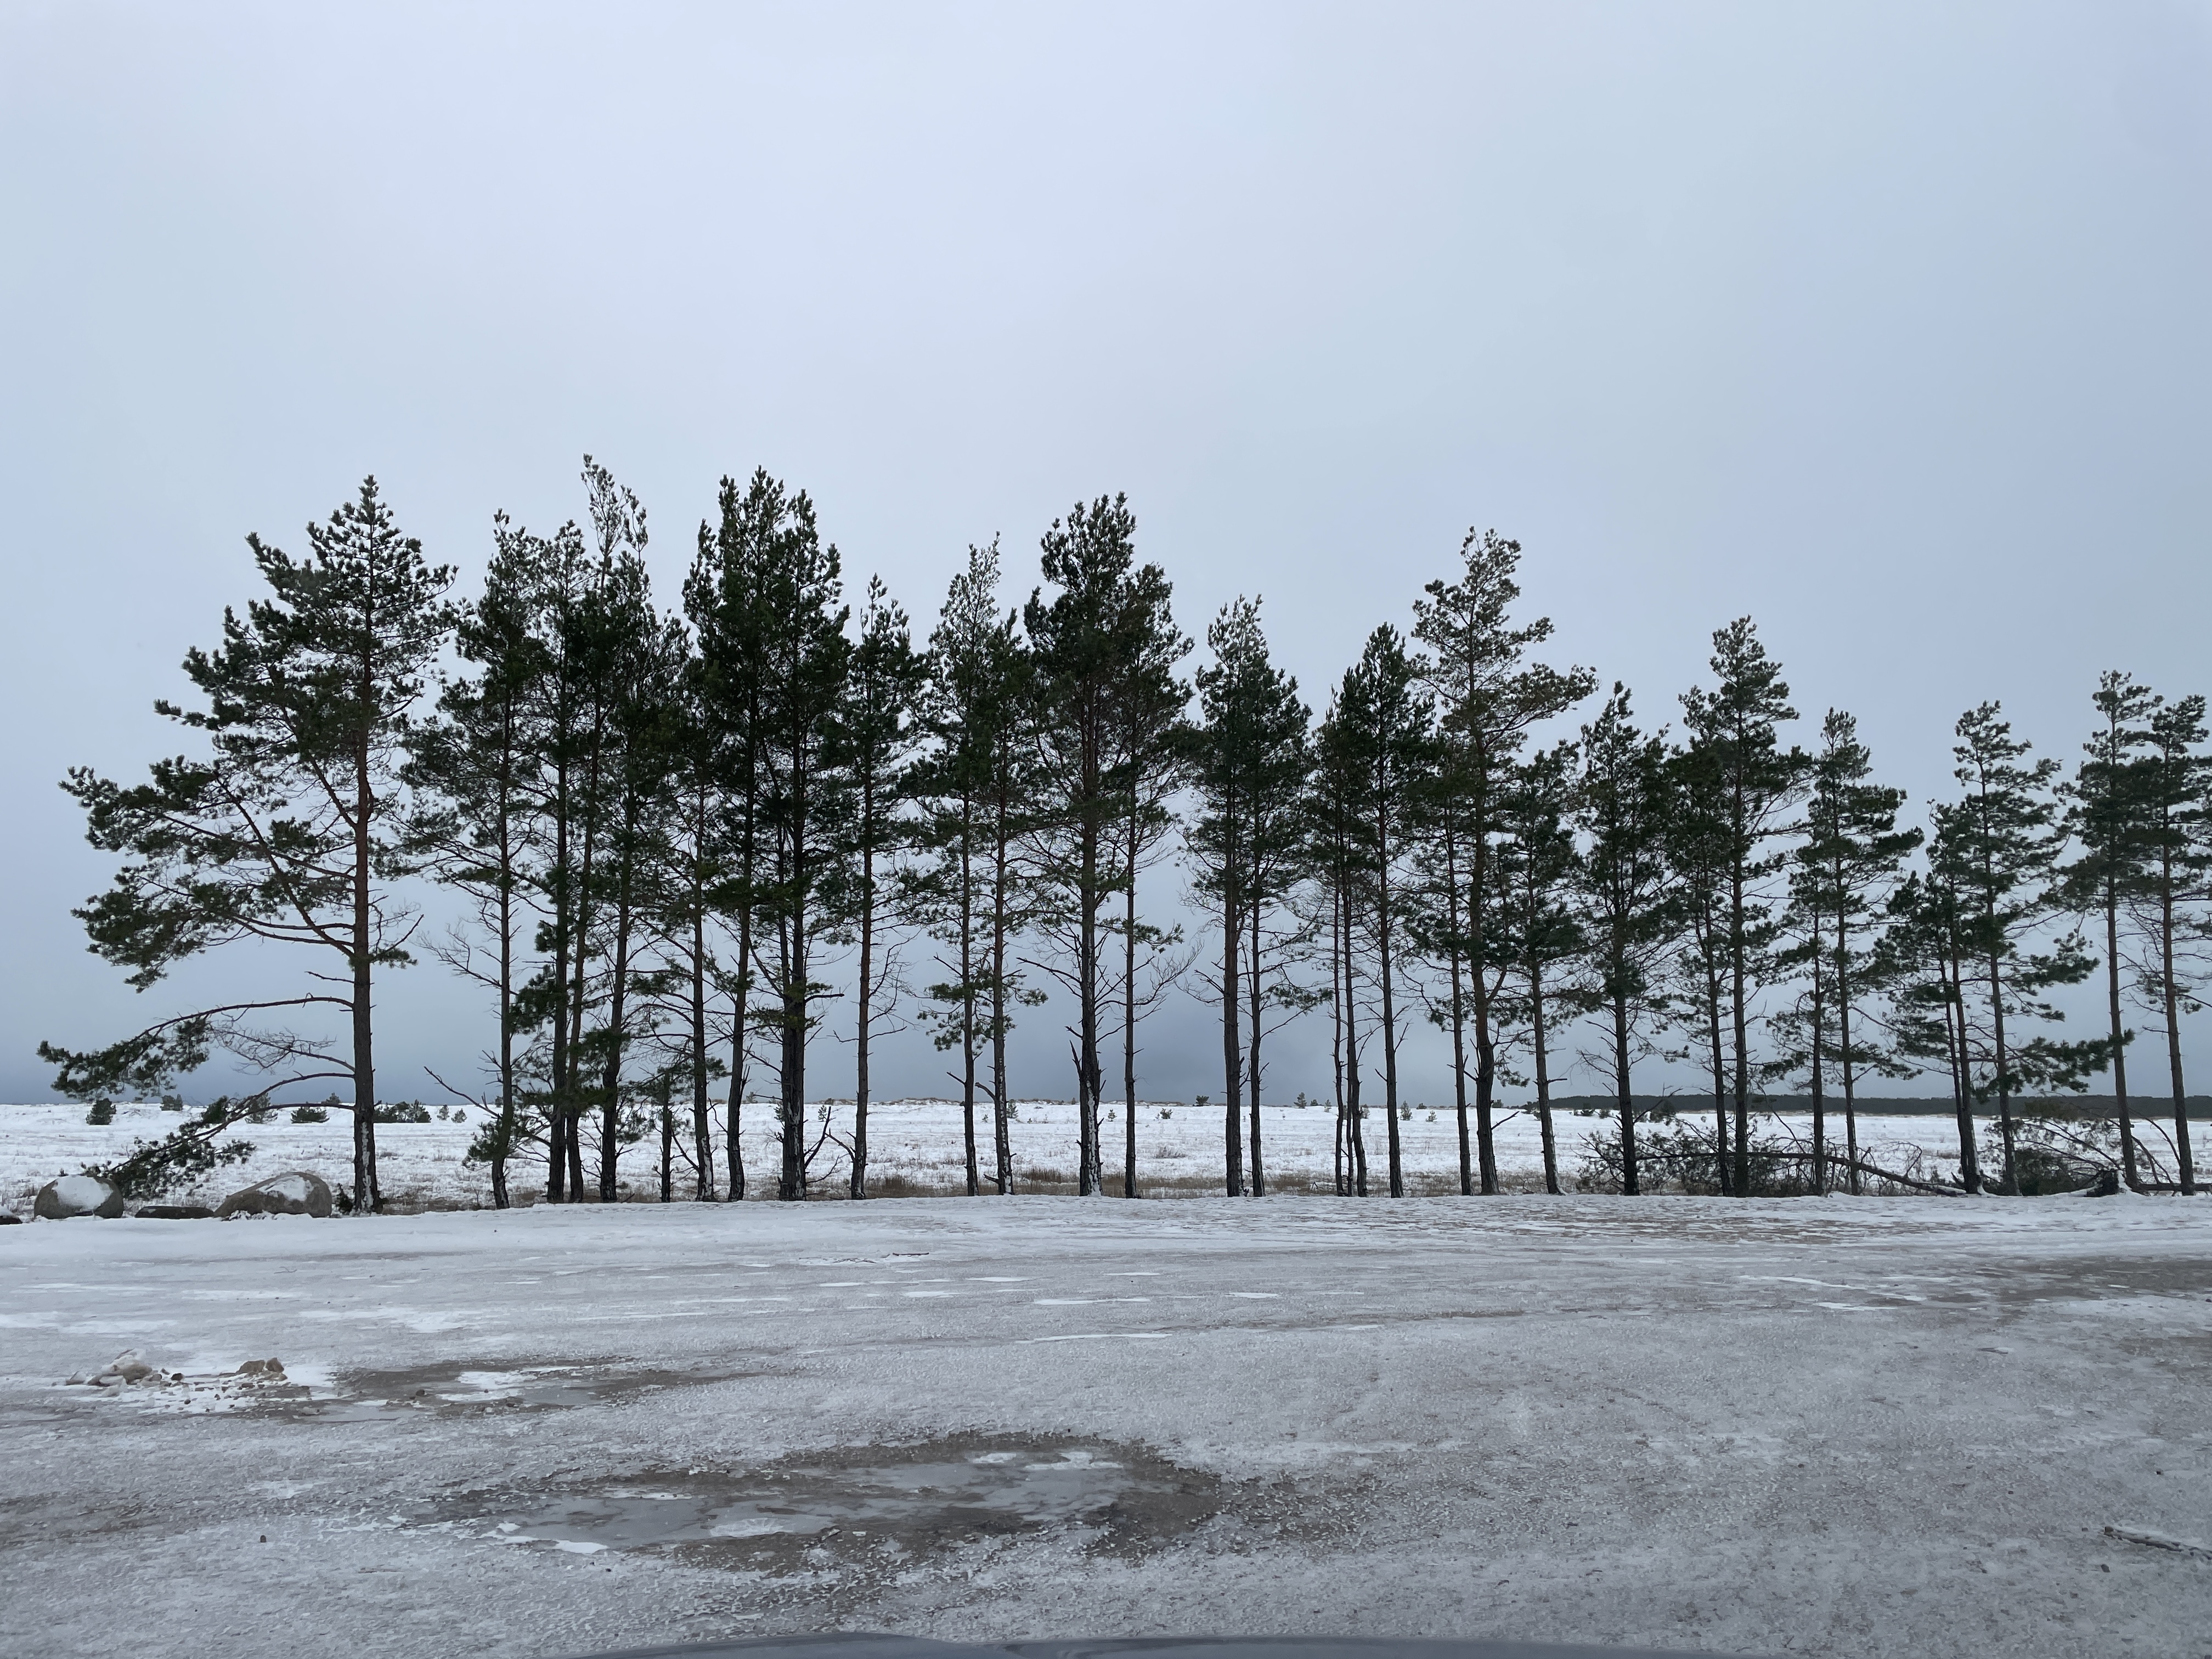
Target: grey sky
<point>1886,325</point>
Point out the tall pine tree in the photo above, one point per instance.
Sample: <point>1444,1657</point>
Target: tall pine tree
<point>292,828</point>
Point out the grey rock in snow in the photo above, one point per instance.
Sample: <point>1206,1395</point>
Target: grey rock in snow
<point>78,1195</point>
<point>297,1192</point>
<point>175,1213</point>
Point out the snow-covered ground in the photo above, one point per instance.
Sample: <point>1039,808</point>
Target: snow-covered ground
<point>1882,1426</point>
<point>915,1147</point>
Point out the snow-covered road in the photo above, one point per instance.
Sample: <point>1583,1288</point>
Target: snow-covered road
<point>1875,1427</point>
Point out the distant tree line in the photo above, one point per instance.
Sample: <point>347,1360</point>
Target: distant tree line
<point>669,824</point>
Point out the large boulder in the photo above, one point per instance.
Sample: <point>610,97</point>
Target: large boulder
<point>78,1195</point>
<point>296,1192</point>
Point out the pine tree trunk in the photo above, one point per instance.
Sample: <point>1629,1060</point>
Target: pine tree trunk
<point>1252,1051</point>
<point>1352,1068</point>
<point>2119,1035</point>
<point>793,960</point>
<point>1625,1101</point>
<point>556,1187</point>
<point>1843,1045</point>
<point>1819,1100</point>
<point>740,995</point>
<point>618,1032</point>
<point>1336,1033</point>
<point>2172,999</point>
<point>857,1185</point>
<point>1390,1006</point>
<point>367,1198</point>
<point>1954,1031</point>
<point>1720,1079</point>
<point>1543,1077</point>
<point>1458,1010</point>
<point>1232,1060</point>
<point>503,1137</point>
<point>703,1134</point>
<point>791,1185</point>
<point>968,991</point>
<point>1486,1051</point>
<point>2005,1080</point>
<point>1129,1019</point>
<point>1086,1059</point>
<point>573,1110</point>
<point>667,1147</point>
<point>1739,1025</point>
<point>1001,898</point>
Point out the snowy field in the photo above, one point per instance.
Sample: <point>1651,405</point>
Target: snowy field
<point>915,1148</point>
<point>1898,1426</point>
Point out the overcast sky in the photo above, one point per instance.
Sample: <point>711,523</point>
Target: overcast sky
<point>1886,326</point>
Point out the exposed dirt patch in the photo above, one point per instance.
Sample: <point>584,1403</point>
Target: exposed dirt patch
<point>482,1386</point>
<point>885,1507</point>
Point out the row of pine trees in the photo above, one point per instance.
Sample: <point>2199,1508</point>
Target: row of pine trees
<point>687,834</point>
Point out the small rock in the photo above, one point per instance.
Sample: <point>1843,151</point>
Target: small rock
<point>9,1219</point>
<point>174,1213</point>
<point>295,1192</point>
<point>78,1195</point>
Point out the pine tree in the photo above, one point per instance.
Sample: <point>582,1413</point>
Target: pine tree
<point>2170,903</point>
<point>1537,863</point>
<point>1488,696</point>
<point>1385,729</point>
<point>481,761</point>
<point>1337,856</point>
<point>694,892</point>
<point>1920,962</point>
<point>1851,859</point>
<point>575,699</point>
<point>294,826</point>
<point>806,798</point>
<point>1744,782</point>
<point>2108,821</point>
<point>728,599</point>
<point>1091,644</point>
<point>1629,912</point>
<point>1998,847</point>
<point>973,782</point>
<point>1697,851</point>
<point>877,740</point>
<point>640,659</point>
<point>1149,754</point>
<point>1249,761</point>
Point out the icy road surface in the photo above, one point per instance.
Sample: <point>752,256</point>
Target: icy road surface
<point>1875,1427</point>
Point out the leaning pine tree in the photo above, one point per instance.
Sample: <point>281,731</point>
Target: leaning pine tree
<point>291,827</point>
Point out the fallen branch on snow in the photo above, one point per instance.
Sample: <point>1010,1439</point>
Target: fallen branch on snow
<point>2159,1540</point>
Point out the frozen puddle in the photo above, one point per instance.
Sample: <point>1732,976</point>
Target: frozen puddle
<point>877,1501</point>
